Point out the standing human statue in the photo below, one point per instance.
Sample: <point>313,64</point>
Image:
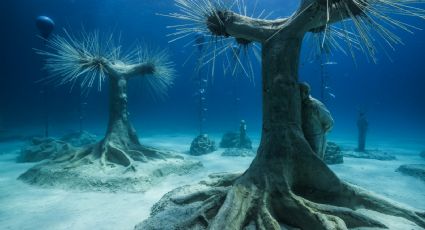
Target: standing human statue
<point>316,121</point>
<point>242,133</point>
<point>362,125</point>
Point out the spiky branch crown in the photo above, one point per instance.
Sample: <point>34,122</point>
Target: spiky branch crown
<point>88,58</point>
<point>205,20</point>
<point>330,21</point>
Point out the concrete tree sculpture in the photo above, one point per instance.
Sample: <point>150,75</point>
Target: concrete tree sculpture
<point>92,59</point>
<point>286,183</point>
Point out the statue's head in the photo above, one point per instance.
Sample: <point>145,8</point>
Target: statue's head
<point>304,90</point>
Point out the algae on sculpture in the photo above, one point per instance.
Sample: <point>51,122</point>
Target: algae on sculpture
<point>286,184</point>
<point>237,143</point>
<point>316,121</point>
<point>42,148</point>
<point>237,139</point>
<point>333,154</point>
<point>106,164</point>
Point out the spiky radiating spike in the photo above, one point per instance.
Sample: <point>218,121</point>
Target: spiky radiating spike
<point>195,13</point>
<point>375,17</point>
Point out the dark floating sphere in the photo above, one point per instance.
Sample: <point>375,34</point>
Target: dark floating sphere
<point>45,25</point>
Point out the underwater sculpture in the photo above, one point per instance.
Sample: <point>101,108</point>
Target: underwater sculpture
<point>79,139</point>
<point>361,151</point>
<point>42,148</point>
<point>316,121</point>
<point>113,163</point>
<point>237,143</point>
<point>414,170</point>
<point>362,125</point>
<point>333,154</point>
<point>286,184</point>
<point>201,145</point>
<point>242,133</point>
<point>237,139</point>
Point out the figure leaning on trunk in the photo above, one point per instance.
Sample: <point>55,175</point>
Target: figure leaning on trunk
<point>316,121</point>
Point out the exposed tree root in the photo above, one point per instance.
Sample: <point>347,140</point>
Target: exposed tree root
<point>111,153</point>
<point>322,186</point>
<point>226,203</point>
<point>113,164</point>
<point>355,197</point>
<point>351,218</point>
<point>297,190</point>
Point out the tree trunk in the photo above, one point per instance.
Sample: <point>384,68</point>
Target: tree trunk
<point>119,126</point>
<point>281,100</point>
<point>286,183</point>
<point>120,146</point>
<point>285,162</point>
<point>283,147</point>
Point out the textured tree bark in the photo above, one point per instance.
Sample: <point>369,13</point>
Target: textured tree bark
<point>285,162</point>
<point>119,125</point>
<point>286,183</point>
<point>118,162</point>
<point>120,146</point>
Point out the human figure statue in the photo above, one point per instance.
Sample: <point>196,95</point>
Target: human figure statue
<point>362,125</point>
<point>242,132</point>
<point>316,121</point>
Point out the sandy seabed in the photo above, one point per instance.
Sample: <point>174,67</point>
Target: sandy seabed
<point>27,207</point>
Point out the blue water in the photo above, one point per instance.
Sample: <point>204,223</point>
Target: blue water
<point>392,92</point>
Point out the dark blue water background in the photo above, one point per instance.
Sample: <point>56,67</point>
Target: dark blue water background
<point>392,92</point>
